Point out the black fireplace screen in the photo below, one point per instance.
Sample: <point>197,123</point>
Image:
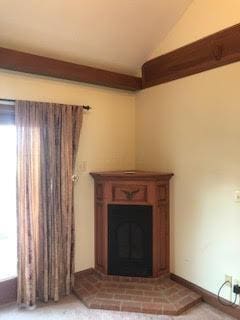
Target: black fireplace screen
<point>130,240</point>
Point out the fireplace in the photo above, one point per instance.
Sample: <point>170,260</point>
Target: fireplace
<point>132,223</point>
<point>130,240</point>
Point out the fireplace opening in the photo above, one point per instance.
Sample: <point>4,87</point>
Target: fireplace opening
<point>130,240</point>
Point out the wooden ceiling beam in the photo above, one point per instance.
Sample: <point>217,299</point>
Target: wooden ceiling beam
<point>34,64</point>
<point>214,51</point>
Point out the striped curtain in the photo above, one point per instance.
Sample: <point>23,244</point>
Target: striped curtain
<point>47,141</point>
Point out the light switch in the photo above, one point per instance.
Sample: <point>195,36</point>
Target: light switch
<point>83,166</point>
<point>237,196</point>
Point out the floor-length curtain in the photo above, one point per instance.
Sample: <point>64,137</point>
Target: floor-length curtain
<point>47,140</point>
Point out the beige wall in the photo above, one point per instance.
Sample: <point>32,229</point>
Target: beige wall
<point>191,127</point>
<point>106,142</point>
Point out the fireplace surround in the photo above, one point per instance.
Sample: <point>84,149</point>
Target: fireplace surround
<point>132,223</point>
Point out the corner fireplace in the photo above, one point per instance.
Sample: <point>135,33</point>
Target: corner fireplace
<point>130,240</point>
<point>132,223</point>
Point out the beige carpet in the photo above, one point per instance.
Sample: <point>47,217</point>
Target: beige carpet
<point>71,309</point>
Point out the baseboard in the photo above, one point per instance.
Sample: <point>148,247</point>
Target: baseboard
<point>8,288</point>
<point>208,297</point>
<point>85,271</point>
<point>8,291</point>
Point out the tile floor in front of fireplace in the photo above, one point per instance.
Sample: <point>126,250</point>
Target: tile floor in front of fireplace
<point>145,295</point>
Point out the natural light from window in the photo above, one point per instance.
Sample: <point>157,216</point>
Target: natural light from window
<point>8,228</point>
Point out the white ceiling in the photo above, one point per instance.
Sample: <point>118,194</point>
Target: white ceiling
<point>113,34</point>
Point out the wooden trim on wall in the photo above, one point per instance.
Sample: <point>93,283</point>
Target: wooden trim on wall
<point>83,272</point>
<point>34,64</point>
<point>213,51</point>
<point>208,297</point>
<point>216,50</point>
<point>8,291</point>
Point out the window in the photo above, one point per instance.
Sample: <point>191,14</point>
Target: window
<point>8,223</point>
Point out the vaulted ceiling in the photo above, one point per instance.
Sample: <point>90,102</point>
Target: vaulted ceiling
<point>117,35</point>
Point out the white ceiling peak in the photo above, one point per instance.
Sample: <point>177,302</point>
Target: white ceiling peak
<point>111,34</point>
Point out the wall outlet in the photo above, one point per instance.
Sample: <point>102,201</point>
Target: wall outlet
<point>229,280</point>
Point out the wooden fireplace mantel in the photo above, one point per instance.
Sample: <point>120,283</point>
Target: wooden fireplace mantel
<point>137,188</point>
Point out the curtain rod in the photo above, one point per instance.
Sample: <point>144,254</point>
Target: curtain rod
<point>13,101</point>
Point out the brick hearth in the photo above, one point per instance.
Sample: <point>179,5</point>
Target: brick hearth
<point>146,295</point>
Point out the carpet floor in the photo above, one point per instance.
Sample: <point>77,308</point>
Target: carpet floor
<point>71,308</point>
